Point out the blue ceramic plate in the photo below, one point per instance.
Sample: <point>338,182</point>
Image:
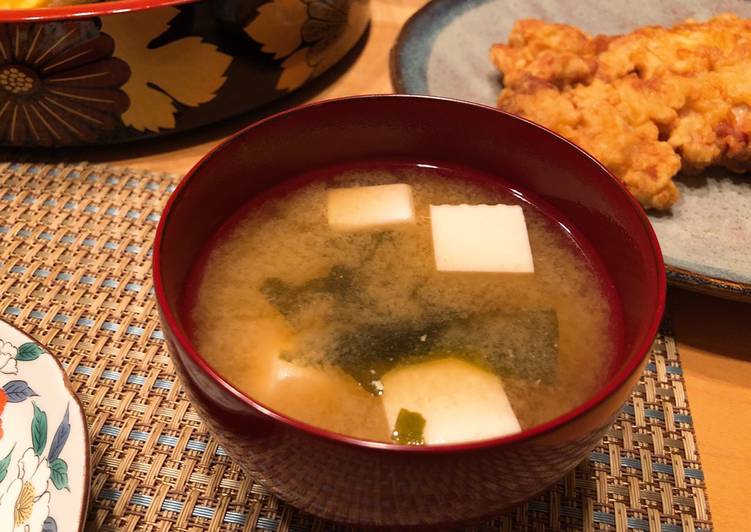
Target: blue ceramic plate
<point>443,50</point>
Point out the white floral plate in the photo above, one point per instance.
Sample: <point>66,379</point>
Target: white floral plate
<point>44,442</point>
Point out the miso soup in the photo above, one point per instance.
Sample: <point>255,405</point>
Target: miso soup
<point>405,303</point>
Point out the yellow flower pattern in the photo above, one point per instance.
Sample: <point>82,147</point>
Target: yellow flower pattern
<point>188,70</point>
<point>310,35</point>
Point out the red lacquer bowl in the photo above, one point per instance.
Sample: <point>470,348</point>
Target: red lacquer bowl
<point>355,481</point>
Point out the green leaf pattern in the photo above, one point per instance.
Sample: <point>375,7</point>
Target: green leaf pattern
<point>59,473</point>
<point>4,463</point>
<point>39,430</point>
<point>58,466</point>
<point>28,352</point>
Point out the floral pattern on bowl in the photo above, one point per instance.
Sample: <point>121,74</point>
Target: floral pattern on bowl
<point>44,446</point>
<point>158,68</point>
<point>318,33</point>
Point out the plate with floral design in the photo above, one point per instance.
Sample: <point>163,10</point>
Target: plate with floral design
<point>44,443</point>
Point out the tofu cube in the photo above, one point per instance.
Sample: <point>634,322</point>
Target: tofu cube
<point>480,238</point>
<point>459,401</point>
<point>314,395</point>
<point>284,370</point>
<point>372,207</point>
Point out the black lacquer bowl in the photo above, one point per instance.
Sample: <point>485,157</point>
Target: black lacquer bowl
<point>129,69</point>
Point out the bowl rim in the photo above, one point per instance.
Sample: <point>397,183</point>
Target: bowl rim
<point>78,11</point>
<point>615,382</point>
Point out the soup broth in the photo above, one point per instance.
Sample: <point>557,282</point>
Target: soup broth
<point>353,328</point>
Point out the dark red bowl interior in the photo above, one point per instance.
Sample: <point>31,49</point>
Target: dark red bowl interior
<point>417,129</point>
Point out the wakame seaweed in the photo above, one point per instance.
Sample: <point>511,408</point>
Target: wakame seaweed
<point>339,284</point>
<point>409,428</point>
<point>367,351</point>
<point>520,343</point>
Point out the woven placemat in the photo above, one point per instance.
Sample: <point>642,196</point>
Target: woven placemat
<point>75,259</point>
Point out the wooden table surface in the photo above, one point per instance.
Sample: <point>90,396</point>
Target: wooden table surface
<point>713,334</point>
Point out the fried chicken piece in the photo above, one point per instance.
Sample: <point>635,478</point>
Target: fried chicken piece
<point>597,118</point>
<point>647,104</point>
<point>557,53</point>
